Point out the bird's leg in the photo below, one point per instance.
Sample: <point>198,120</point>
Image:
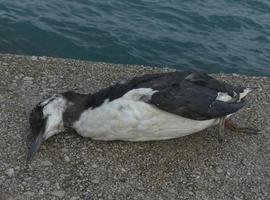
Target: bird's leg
<point>221,129</point>
<point>233,127</point>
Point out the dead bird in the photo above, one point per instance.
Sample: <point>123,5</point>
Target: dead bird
<point>150,107</point>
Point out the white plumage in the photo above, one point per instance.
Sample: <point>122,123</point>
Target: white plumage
<point>129,119</point>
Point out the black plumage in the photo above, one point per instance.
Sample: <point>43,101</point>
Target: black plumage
<point>191,95</point>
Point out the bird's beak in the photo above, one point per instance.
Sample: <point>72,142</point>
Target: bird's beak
<point>35,145</point>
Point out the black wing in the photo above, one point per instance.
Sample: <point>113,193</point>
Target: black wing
<point>191,95</point>
<point>158,81</point>
<point>195,96</point>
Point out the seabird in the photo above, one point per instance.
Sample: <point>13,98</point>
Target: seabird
<point>150,107</point>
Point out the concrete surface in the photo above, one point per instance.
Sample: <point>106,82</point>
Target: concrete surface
<point>71,167</point>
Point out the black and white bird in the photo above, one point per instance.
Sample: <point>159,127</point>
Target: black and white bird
<point>150,107</point>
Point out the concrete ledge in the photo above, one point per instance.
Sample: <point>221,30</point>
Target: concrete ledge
<point>71,167</point>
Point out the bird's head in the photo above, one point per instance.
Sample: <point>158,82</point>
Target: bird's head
<point>46,120</point>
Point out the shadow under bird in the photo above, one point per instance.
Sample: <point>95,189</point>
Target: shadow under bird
<point>150,107</point>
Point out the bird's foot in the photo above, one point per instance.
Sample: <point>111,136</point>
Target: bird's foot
<point>221,131</point>
<point>235,128</point>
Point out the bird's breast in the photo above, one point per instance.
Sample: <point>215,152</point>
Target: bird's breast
<point>129,120</point>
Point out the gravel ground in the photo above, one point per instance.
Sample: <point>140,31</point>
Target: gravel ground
<point>71,167</point>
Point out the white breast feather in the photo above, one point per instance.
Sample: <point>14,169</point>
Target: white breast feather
<point>126,118</point>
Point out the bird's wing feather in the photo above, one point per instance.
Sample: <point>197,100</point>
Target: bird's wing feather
<point>195,97</point>
<point>191,95</point>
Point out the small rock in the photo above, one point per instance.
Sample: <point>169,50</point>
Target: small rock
<point>99,194</point>
<point>140,188</point>
<point>219,170</point>
<point>123,170</point>
<point>110,197</point>
<point>236,75</point>
<point>57,185</point>
<point>191,193</point>
<point>27,78</point>
<point>74,198</point>
<point>94,165</point>
<point>10,172</point>
<point>40,192</point>
<point>5,64</point>
<point>46,163</point>
<point>122,179</point>
<point>42,58</point>
<point>237,198</point>
<point>172,190</point>
<point>46,182</point>
<point>29,194</point>
<point>27,178</point>
<point>64,150</point>
<point>59,193</point>
<point>95,181</point>
<point>30,167</point>
<point>34,57</point>
<point>67,159</point>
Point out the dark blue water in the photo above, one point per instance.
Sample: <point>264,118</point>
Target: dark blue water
<point>210,35</point>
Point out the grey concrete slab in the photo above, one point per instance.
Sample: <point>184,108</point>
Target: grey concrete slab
<point>71,167</point>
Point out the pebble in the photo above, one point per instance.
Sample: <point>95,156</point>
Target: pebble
<point>46,163</point>
<point>10,172</point>
<point>94,166</point>
<point>27,78</point>
<point>123,170</point>
<point>237,198</point>
<point>140,188</point>
<point>100,195</point>
<point>59,193</point>
<point>95,181</point>
<point>29,194</point>
<point>34,58</point>
<point>74,198</point>
<point>67,159</point>
<point>40,192</point>
<point>30,167</point>
<point>27,178</point>
<point>64,150</point>
<point>219,170</point>
<point>57,185</point>
<point>46,182</point>
<point>42,58</point>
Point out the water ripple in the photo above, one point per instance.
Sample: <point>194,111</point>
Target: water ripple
<point>212,36</point>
